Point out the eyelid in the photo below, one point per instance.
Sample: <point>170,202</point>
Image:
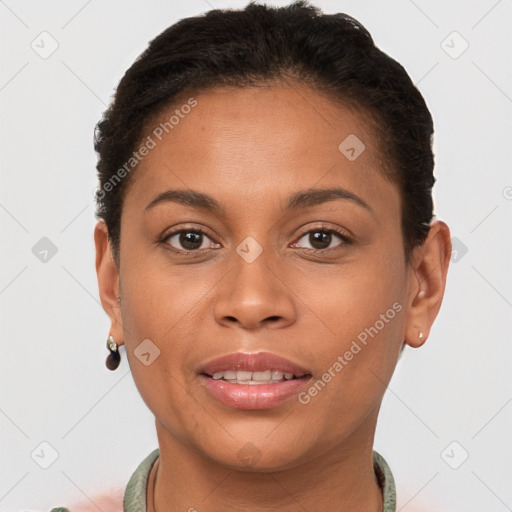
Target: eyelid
<point>189,227</point>
<point>345,234</point>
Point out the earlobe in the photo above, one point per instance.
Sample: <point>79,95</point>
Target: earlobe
<point>417,339</point>
<point>108,280</point>
<point>427,281</point>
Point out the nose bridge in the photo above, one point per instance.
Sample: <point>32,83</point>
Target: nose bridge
<point>253,293</point>
<point>253,283</point>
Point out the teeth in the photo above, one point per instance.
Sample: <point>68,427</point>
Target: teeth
<point>246,377</point>
<point>262,375</point>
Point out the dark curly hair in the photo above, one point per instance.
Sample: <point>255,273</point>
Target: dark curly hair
<point>332,53</point>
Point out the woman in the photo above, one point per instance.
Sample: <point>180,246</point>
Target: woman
<point>265,249</point>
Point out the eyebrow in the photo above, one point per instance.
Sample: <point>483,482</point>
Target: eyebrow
<point>187,198</point>
<point>301,199</point>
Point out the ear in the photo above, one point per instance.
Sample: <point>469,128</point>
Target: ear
<point>108,281</point>
<point>427,280</point>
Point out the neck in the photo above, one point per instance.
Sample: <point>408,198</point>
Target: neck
<point>341,479</point>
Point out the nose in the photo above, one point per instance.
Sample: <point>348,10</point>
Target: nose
<point>254,295</point>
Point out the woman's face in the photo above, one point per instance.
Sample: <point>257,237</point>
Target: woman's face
<point>285,243</point>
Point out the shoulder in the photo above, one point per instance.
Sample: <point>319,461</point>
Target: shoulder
<point>134,496</point>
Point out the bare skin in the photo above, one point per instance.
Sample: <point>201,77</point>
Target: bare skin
<point>250,150</point>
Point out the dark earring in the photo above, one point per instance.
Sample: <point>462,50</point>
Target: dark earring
<point>114,358</point>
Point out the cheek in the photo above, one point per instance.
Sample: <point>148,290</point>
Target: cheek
<point>158,298</point>
<point>164,304</point>
<point>353,297</point>
<point>364,311</point>
<point>156,311</point>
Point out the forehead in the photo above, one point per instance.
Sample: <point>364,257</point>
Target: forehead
<point>256,142</point>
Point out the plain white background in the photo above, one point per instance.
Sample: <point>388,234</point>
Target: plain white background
<point>447,400</point>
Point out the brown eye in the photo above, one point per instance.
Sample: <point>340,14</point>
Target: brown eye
<point>187,240</point>
<point>321,239</point>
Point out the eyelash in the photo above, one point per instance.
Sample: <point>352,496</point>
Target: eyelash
<point>346,240</point>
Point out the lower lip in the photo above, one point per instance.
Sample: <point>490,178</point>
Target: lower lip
<point>253,396</point>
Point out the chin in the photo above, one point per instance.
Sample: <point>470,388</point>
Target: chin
<point>255,457</point>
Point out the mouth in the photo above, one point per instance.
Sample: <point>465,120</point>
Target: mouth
<point>253,381</point>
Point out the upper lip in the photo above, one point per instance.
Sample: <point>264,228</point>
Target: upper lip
<point>256,362</point>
